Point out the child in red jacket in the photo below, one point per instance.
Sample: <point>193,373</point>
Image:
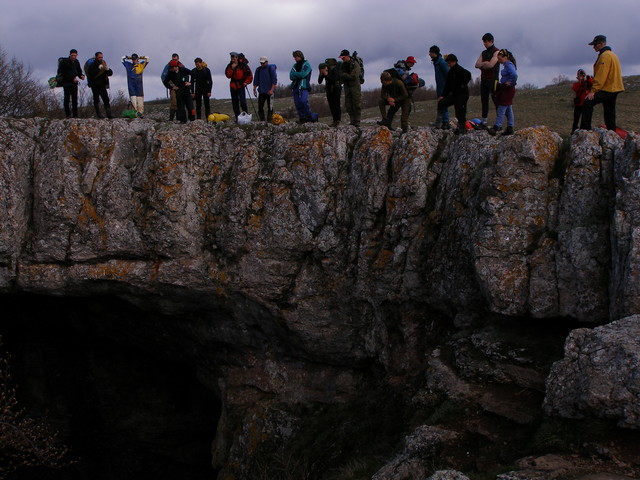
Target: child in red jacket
<point>582,88</point>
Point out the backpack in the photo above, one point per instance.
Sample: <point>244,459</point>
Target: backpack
<point>87,64</point>
<point>54,82</point>
<point>163,75</point>
<point>331,63</point>
<point>356,58</point>
<point>410,79</point>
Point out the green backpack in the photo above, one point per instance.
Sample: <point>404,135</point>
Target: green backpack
<point>356,58</point>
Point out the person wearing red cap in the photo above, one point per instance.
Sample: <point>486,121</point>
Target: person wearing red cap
<point>173,106</point>
<point>607,84</point>
<point>179,80</point>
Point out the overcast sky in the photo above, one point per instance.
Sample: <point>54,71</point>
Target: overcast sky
<point>548,37</point>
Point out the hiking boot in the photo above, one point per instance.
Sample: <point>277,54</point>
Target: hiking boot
<point>139,115</point>
<point>445,126</point>
<point>479,126</point>
<point>508,131</point>
<point>493,130</point>
<point>460,131</point>
<point>336,123</point>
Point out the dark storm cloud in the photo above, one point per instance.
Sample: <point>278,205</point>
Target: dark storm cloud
<point>548,38</point>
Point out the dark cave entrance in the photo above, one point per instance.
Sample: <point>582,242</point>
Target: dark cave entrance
<point>117,384</point>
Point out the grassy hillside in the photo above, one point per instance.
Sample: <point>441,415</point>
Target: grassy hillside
<point>551,106</point>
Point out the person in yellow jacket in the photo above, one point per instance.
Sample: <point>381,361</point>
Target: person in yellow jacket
<point>134,66</point>
<point>607,84</point>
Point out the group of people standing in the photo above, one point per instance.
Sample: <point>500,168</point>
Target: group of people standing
<point>398,84</point>
<point>452,89</point>
<point>603,87</point>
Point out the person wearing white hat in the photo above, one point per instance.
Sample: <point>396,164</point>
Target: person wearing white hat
<point>265,81</point>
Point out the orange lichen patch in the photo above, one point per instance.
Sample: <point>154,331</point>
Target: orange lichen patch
<point>169,167</point>
<point>254,221</point>
<point>218,276</point>
<point>156,270</point>
<point>539,221</point>
<point>382,139</point>
<point>114,270</point>
<point>88,213</point>
<point>391,203</point>
<point>170,190</point>
<point>256,437</point>
<point>384,258</point>
<point>79,150</point>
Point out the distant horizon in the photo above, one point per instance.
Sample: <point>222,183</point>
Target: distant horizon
<point>548,38</point>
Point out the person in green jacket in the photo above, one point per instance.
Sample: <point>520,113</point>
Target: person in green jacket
<point>350,78</point>
<point>394,94</point>
<point>300,77</point>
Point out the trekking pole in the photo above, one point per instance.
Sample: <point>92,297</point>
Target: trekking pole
<point>251,100</point>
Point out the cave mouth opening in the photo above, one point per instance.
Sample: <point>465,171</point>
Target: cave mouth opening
<point>121,396</point>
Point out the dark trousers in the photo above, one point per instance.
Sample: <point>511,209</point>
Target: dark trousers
<point>238,100</point>
<point>185,105</point>
<point>262,98</point>
<point>487,90</point>
<point>608,101</point>
<point>459,103</point>
<point>201,98</point>
<point>101,93</point>
<point>389,114</point>
<point>577,113</point>
<point>333,99</point>
<point>70,94</point>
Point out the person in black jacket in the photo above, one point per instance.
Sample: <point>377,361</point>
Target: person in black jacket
<point>71,73</point>
<point>201,85</point>
<point>179,80</point>
<point>98,75</point>
<point>456,92</point>
<point>333,88</point>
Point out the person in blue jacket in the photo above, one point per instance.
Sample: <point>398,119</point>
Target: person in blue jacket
<point>265,81</point>
<point>300,76</point>
<point>505,92</point>
<point>441,69</point>
<point>135,65</point>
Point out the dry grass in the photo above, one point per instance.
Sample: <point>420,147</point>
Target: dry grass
<point>551,106</point>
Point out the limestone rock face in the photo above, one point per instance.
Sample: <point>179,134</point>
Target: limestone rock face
<point>297,258</point>
<point>599,375</point>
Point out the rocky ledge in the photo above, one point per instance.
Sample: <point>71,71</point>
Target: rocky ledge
<point>313,275</point>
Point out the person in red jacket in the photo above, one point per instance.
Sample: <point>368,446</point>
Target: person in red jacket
<point>239,74</point>
<point>582,87</point>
